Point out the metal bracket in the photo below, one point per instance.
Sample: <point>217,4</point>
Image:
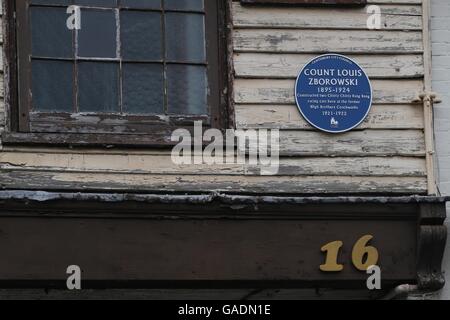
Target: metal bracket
<point>432,97</point>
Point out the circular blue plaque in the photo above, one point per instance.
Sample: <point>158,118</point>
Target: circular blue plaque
<point>333,93</point>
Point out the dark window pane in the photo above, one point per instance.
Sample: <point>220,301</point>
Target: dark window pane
<point>50,35</point>
<point>186,5</point>
<point>97,3</point>
<point>142,4</point>
<point>52,85</point>
<point>143,89</point>
<point>187,87</point>
<point>97,37</point>
<point>98,84</point>
<point>141,35</point>
<point>185,37</point>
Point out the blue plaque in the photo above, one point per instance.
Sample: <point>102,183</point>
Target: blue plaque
<point>333,93</point>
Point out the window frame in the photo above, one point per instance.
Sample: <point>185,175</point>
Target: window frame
<point>74,129</point>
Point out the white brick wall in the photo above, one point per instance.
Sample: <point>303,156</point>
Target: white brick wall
<point>440,25</point>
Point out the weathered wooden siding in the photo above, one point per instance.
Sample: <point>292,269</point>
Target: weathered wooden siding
<point>270,45</point>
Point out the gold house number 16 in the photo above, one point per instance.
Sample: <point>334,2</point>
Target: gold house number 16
<point>363,255</point>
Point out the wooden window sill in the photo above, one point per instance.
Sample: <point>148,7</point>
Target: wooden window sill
<point>158,139</point>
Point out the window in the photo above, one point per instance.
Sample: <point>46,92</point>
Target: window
<point>139,68</point>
